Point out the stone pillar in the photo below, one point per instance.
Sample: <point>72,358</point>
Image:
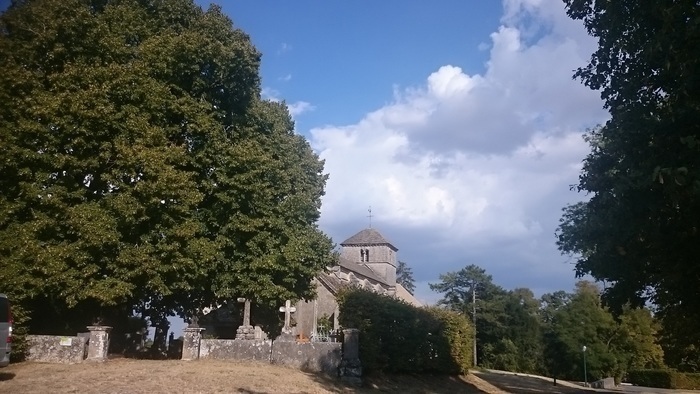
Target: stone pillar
<point>191,342</point>
<point>98,344</point>
<point>350,366</point>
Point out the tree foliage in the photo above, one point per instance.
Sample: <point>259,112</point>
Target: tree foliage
<point>398,337</point>
<point>517,332</point>
<point>141,168</point>
<point>638,232</point>
<point>404,277</point>
<point>613,347</point>
<point>507,322</point>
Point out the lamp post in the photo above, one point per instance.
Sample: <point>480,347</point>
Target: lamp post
<point>585,374</point>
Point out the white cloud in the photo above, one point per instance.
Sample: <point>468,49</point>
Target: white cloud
<point>285,78</point>
<point>284,47</point>
<point>295,109</point>
<point>271,94</point>
<point>473,167</point>
<point>299,107</point>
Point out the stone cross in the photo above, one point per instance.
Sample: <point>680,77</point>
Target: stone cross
<point>246,311</point>
<point>287,309</point>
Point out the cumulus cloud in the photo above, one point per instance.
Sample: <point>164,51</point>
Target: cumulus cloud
<point>473,168</point>
<point>295,109</point>
<point>299,107</point>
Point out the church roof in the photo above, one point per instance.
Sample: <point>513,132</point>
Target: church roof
<point>361,269</point>
<point>368,236</point>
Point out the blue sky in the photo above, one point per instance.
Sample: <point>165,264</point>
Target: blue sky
<point>457,121</point>
<point>344,58</point>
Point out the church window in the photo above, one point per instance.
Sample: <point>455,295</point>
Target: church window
<point>367,254</point>
<point>362,255</point>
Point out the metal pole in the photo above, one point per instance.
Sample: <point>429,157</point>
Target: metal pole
<point>474,317</point>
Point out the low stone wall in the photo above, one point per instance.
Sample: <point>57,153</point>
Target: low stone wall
<point>235,349</point>
<point>337,359</point>
<point>311,356</point>
<point>55,349</point>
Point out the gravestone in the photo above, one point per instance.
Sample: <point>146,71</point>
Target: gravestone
<point>350,366</point>
<point>98,344</point>
<point>191,342</point>
<point>260,335</point>
<point>245,331</point>
<point>287,333</point>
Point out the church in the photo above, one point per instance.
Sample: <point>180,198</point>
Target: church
<point>366,260</point>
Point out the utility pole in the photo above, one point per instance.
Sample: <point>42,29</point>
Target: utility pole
<point>474,316</point>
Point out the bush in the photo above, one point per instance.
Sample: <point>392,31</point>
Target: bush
<point>665,379</point>
<point>400,338</point>
<point>659,378</point>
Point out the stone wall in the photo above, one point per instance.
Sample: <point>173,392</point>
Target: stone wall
<point>329,357</point>
<point>234,349</point>
<point>55,349</point>
<point>312,356</point>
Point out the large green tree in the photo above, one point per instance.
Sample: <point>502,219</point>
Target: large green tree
<point>638,232</point>
<point>141,168</point>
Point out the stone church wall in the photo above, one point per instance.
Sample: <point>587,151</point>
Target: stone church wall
<point>325,304</point>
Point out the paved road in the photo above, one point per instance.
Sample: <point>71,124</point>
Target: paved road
<point>519,383</point>
<point>530,384</point>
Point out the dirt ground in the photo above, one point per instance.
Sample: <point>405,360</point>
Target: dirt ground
<point>204,376</point>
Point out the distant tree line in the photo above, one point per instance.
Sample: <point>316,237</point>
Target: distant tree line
<point>516,331</point>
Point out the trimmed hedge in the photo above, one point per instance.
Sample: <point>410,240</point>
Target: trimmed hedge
<point>665,379</point>
<point>397,337</point>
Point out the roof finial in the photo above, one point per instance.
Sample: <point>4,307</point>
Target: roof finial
<point>370,216</point>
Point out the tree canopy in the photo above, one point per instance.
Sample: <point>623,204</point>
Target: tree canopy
<point>638,232</point>
<point>517,332</point>
<point>141,168</point>
<point>404,277</point>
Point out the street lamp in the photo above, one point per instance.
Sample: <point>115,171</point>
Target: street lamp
<point>585,374</point>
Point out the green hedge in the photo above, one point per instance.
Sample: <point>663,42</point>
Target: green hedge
<point>665,379</point>
<point>400,338</point>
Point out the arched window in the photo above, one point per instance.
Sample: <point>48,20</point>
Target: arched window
<point>367,254</point>
<point>362,255</point>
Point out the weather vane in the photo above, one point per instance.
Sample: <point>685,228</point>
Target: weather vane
<point>370,216</point>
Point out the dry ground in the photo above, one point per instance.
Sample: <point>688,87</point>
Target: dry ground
<point>155,377</point>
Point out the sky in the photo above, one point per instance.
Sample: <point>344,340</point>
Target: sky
<point>458,122</point>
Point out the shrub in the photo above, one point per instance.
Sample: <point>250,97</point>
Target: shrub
<point>665,378</point>
<point>398,337</point>
<point>660,378</point>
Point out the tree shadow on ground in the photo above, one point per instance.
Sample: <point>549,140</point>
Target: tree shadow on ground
<point>6,376</point>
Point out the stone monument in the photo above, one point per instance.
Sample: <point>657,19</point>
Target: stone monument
<point>245,331</point>
<point>287,332</point>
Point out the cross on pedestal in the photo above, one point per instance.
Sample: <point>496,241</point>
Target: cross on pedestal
<point>246,311</point>
<point>287,309</point>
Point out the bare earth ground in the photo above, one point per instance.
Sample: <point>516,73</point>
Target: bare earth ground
<point>156,377</point>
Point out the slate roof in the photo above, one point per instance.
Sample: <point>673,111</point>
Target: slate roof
<point>331,281</point>
<point>361,269</point>
<point>368,236</point>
